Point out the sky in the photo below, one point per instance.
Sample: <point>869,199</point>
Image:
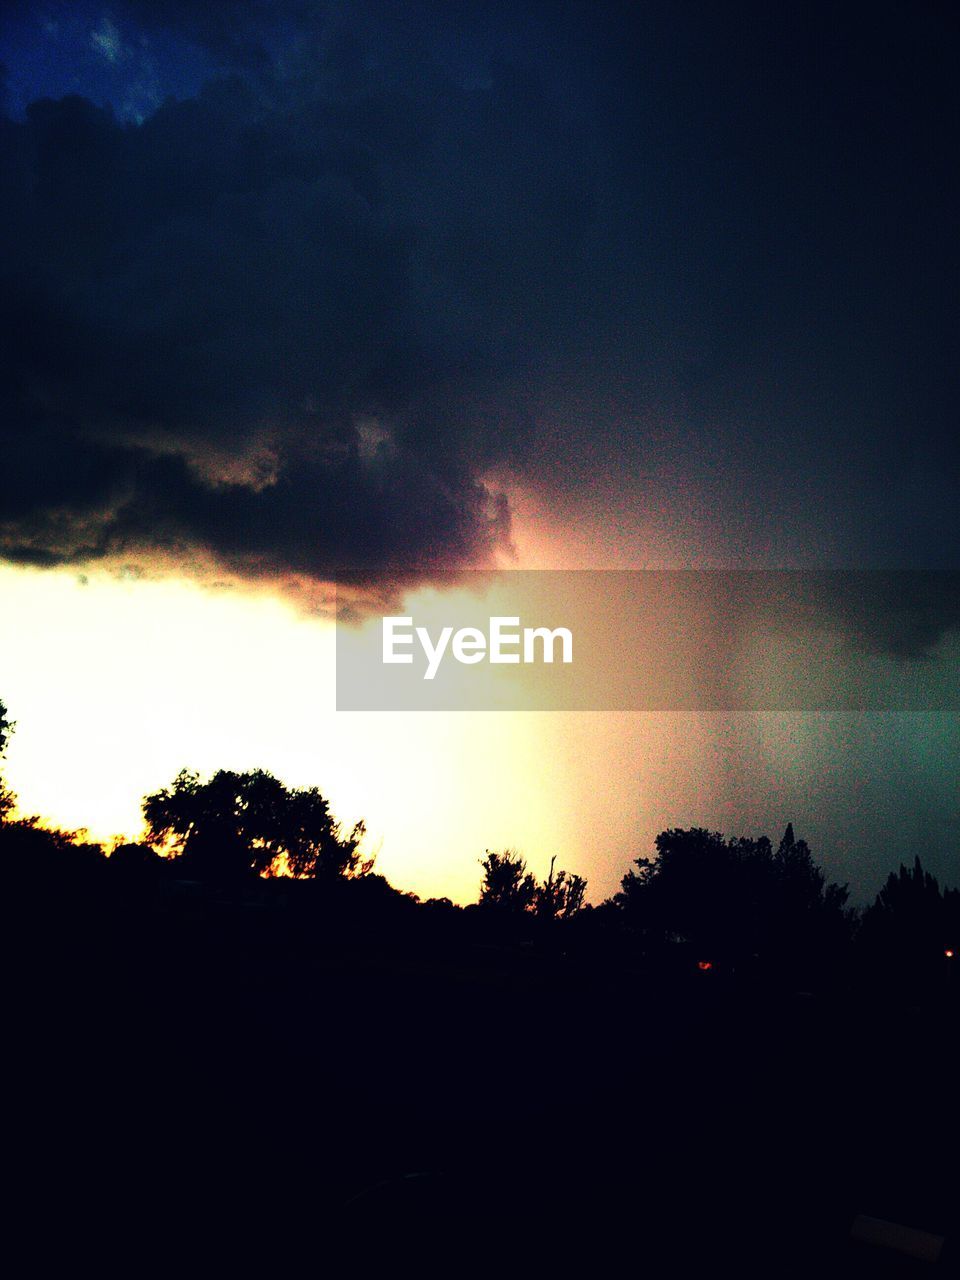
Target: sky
<point>302,294</point>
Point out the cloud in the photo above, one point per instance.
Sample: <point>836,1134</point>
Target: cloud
<point>696,270</point>
<point>274,326</point>
<point>105,40</point>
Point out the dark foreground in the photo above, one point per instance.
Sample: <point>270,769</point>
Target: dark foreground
<point>208,1084</point>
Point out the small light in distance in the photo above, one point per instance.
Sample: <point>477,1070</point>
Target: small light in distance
<point>949,953</point>
<point>706,965</point>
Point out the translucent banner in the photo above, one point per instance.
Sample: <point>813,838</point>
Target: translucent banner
<point>657,640</point>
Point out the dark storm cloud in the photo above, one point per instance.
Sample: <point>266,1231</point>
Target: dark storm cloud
<point>296,321</point>
<point>269,323</point>
<point>901,614</point>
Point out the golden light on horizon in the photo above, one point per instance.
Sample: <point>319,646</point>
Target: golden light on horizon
<point>116,684</point>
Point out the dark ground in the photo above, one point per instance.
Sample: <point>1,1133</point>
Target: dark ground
<point>207,1084</point>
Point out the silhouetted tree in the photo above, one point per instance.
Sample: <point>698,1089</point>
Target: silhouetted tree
<point>736,900</point>
<point>237,823</point>
<point>805,907</point>
<point>6,796</point>
<point>510,888</point>
<point>909,926</point>
<point>560,896</point>
<point>507,885</point>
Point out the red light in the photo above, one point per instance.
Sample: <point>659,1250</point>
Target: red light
<point>704,965</point>
<point>948,953</point>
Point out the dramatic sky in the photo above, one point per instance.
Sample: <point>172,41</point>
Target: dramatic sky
<point>295,293</point>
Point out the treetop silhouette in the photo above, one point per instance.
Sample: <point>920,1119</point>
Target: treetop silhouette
<point>509,888</point>
<point>6,728</point>
<point>911,923</point>
<point>735,898</point>
<point>235,824</point>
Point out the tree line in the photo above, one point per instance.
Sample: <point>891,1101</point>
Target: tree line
<point>704,902</point>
